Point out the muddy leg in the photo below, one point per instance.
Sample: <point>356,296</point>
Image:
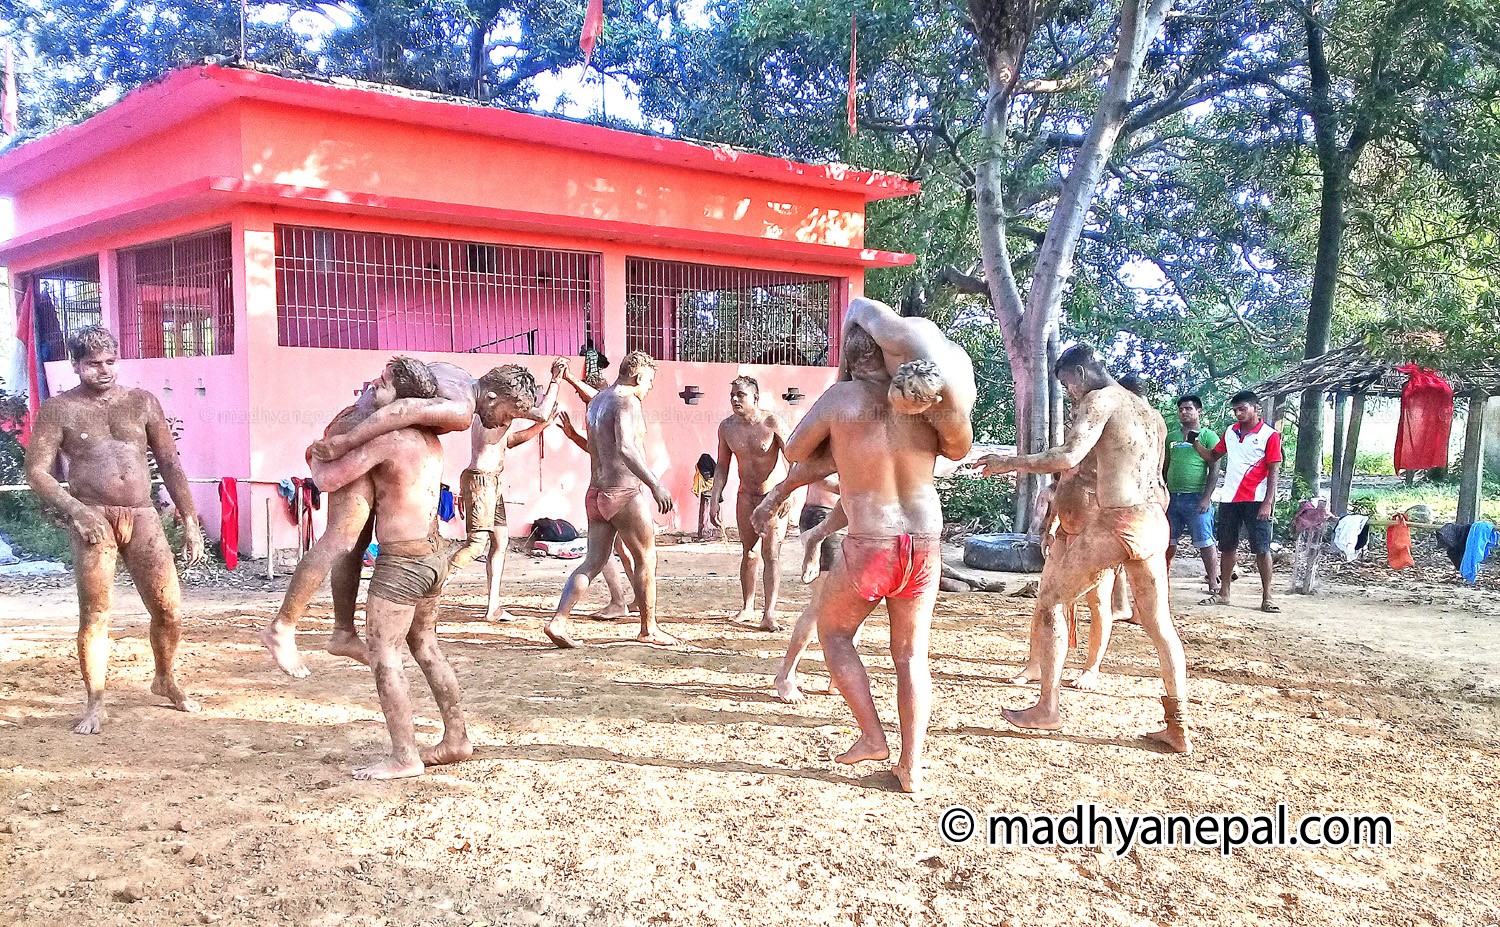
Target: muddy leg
<point>601,537</point>
<point>911,622</point>
<point>344,583</point>
<point>802,635</point>
<point>423,642</point>
<point>94,576</point>
<point>637,530</point>
<point>348,514</point>
<point>770,546</point>
<point>1148,578</point>
<point>841,611</point>
<point>386,626</point>
<point>494,567</point>
<point>751,551</point>
<point>1101,623</point>
<point>149,559</point>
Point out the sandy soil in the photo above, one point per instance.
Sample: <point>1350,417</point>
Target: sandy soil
<point>622,784</point>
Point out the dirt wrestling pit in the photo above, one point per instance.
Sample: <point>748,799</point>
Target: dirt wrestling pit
<point>627,784</point>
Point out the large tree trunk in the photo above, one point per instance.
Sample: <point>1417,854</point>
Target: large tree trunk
<point>1028,328</point>
<point>1309,462</point>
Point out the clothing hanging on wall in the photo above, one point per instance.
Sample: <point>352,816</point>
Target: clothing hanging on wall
<point>229,521</point>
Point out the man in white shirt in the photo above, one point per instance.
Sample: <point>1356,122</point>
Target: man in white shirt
<point>1251,449</point>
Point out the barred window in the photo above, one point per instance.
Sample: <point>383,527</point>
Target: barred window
<point>701,312</point>
<point>65,299</point>
<point>177,297</point>
<point>344,289</point>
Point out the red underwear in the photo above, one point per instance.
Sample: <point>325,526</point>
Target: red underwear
<point>901,567</point>
<point>604,504</point>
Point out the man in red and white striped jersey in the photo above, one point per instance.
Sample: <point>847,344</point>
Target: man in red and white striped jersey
<point>1251,449</point>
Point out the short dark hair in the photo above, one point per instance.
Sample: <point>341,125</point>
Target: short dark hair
<point>412,379</point>
<point>95,339</point>
<point>1080,355</point>
<point>511,381</point>
<point>1190,400</point>
<point>1244,395</point>
<point>858,345</point>
<point>635,362</point>
<point>750,383</point>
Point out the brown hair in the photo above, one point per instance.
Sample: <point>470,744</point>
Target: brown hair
<point>96,339</point>
<point>635,362</point>
<point>858,345</point>
<point>750,383</point>
<point>411,378</point>
<point>511,381</point>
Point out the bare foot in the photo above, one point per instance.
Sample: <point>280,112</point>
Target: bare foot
<point>499,615</point>
<point>1087,681</point>
<point>390,768</point>
<point>167,688</point>
<point>610,612</point>
<point>557,631</point>
<point>768,623</point>
<point>348,644</point>
<point>810,562</point>
<point>444,752</point>
<point>656,636</point>
<point>1173,738</point>
<point>745,616</point>
<point>281,643</point>
<point>92,720</point>
<point>1029,674</point>
<point>1034,718</point>
<point>787,691</point>
<point>910,779</point>
<point>1128,618</point>
<point>865,749</point>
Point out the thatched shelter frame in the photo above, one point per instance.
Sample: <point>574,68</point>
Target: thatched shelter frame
<point>1350,374</point>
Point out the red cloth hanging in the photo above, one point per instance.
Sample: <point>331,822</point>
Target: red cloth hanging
<point>229,521</point>
<point>1426,420</point>
<point>593,27</point>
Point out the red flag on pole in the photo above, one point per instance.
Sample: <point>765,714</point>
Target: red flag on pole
<point>853,38</point>
<point>8,110</point>
<point>593,27</point>
<point>25,331</point>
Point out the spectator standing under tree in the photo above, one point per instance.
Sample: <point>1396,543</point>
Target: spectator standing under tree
<point>1247,497</point>
<point>1192,475</point>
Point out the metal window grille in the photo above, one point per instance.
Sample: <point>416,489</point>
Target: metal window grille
<point>66,299</point>
<point>701,312</point>
<point>346,289</point>
<point>177,297</point>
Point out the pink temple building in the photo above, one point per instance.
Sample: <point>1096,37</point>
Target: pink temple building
<point>262,244</point>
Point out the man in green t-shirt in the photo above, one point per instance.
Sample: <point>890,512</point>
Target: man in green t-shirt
<point>1191,478</point>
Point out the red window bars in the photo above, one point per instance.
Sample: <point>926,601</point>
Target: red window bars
<point>177,297</point>
<point>343,289</point>
<point>66,299</point>
<point>701,312</point>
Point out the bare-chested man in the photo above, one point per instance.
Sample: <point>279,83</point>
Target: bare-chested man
<point>406,469</point>
<point>103,431</point>
<point>481,491</point>
<point>614,503</point>
<point>1110,513</point>
<point>439,398</point>
<point>614,579</point>
<point>929,376</point>
<point>755,438</point>
<point>822,496</point>
<point>885,462</point>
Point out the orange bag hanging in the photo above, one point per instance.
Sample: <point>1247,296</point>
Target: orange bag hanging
<point>1398,544</point>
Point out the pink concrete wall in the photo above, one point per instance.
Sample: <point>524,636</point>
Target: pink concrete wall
<point>206,145</point>
<point>286,145</point>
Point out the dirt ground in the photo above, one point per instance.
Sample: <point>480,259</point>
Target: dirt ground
<point>623,784</point>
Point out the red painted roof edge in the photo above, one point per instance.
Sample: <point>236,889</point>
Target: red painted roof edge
<point>239,189</point>
<point>178,95</point>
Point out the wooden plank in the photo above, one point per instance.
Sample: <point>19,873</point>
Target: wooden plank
<point>1344,481</point>
<point>1471,480</point>
<point>1340,418</point>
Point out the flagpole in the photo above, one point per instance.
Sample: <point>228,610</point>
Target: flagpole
<point>242,32</point>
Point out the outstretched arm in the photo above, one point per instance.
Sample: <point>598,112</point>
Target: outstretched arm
<point>721,477</point>
<point>517,438</point>
<point>439,414</point>
<point>164,449</point>
<point>565,422</point>
<point>1084,429</point>
<point>897,337</point>
<point>584,391</point>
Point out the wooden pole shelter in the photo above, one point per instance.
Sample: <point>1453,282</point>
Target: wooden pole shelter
<point>1343,481</point>
<point>1340,417</point>
<point>1471,479</point>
